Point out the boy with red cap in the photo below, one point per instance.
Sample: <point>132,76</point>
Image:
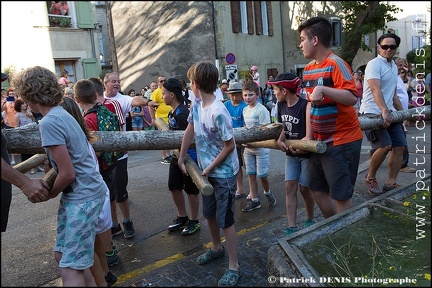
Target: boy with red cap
<point>294,113</point>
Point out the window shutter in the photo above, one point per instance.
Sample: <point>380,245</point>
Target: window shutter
<point>258,18</point>
<point>84,14</point>
<point>235,16</point>
<point>269,18</point>
<point>250,17</point>
<point>91,67</point>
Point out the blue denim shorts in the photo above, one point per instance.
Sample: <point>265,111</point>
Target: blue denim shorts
<point>257,161</point>
<point>220,204</point>
<point>297,168</point>
<point>138,122</point>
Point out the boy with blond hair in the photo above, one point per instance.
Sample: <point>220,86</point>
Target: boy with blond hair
<point>210,124</point>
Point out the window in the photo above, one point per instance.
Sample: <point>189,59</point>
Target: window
<point>69,66</point>
<point>59,14</point>
<point>337,32</point>
<point>243,17</point>
<point>265,28</point>
<point>417,42</point>
<point>252,17</point>
<point>366,40</point>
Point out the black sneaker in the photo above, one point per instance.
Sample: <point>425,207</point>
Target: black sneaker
<point>192,227</point>
<point>116,230</point>
<point>271,199</point>
<point>112,257</point>
<point>166,160</point>
<point>110,279</point>
<point>251,205</point>
<point>129,230</point>
<point>178,223</point>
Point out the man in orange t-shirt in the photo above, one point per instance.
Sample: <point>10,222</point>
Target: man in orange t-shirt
<point>331,90</point>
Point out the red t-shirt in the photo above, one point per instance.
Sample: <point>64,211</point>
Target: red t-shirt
<point>332,121</point>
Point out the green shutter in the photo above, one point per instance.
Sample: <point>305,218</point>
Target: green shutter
<point>84,14</point>
<point>91,67</point>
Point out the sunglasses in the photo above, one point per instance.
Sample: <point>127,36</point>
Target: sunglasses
<point>392,47</point>
<point>161,81</point>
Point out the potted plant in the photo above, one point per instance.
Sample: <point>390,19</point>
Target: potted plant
<point>57,21</point>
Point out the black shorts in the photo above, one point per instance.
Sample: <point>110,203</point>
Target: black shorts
<point>108,176</point>
<point>335,170</point>
<point>178,181</point>
<point>6,199</point>
<point>240,150</point>
<point>121,181</point>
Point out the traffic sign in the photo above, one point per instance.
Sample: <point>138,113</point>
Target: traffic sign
<point>230,58</point>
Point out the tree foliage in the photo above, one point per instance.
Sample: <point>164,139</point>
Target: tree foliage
<point>421,59</point>
<point>362,18</point>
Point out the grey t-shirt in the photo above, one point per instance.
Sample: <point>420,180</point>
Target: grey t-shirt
<point>58,127</point>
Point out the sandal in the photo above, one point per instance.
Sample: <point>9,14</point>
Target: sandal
<point>209,256</point>
<point>229,279</point>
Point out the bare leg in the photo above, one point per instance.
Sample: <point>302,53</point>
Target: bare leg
<point>377,159</point>
<point>240,189</point>
<point>394,164</point>
<point>179,202</point>
<point>231,243</point>
<point>215,235</point>
<point>309,201</point>
<point>326,204</point>
<point>193,206</point>
<point>97,273</point>
<point>342,205</point>
<point>124,208</point>
<point>265,183</point>
<point>253,186</point>
<point>291,202</point>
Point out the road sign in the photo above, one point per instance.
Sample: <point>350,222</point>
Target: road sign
<point>231,72</point>
<point>230,58</point>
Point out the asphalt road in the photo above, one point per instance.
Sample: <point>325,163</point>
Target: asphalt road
<point>27,257</point>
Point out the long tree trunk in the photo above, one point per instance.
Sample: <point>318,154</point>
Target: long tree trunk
<point>26,139</point>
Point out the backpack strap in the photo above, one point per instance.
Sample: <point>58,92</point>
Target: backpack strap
<point>94,109</point>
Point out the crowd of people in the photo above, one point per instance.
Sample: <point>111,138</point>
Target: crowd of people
<point>207,113</point>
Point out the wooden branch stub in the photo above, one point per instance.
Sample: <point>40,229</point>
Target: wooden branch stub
<point>302,145</point>
<point>30,163</point>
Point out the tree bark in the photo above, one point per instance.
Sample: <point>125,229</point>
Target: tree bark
<point>30,163</point>
<point>26,139</point>
<point>302,145</point>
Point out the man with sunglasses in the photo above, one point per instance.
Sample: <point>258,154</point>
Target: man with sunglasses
<point>380,97</point>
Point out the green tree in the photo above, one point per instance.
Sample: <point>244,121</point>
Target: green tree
<point>362,18</point>
<point>421,58</point>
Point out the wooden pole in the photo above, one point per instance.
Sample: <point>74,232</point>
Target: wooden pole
<point>30,163</point>
<point>303,145</point>
<point>26,139</point>
<point>192,168</point>
<point>50,177</point>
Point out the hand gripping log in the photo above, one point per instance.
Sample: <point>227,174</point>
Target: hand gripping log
<point>192,168</point>
<point>35,161</point>
<point>302,145</point>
